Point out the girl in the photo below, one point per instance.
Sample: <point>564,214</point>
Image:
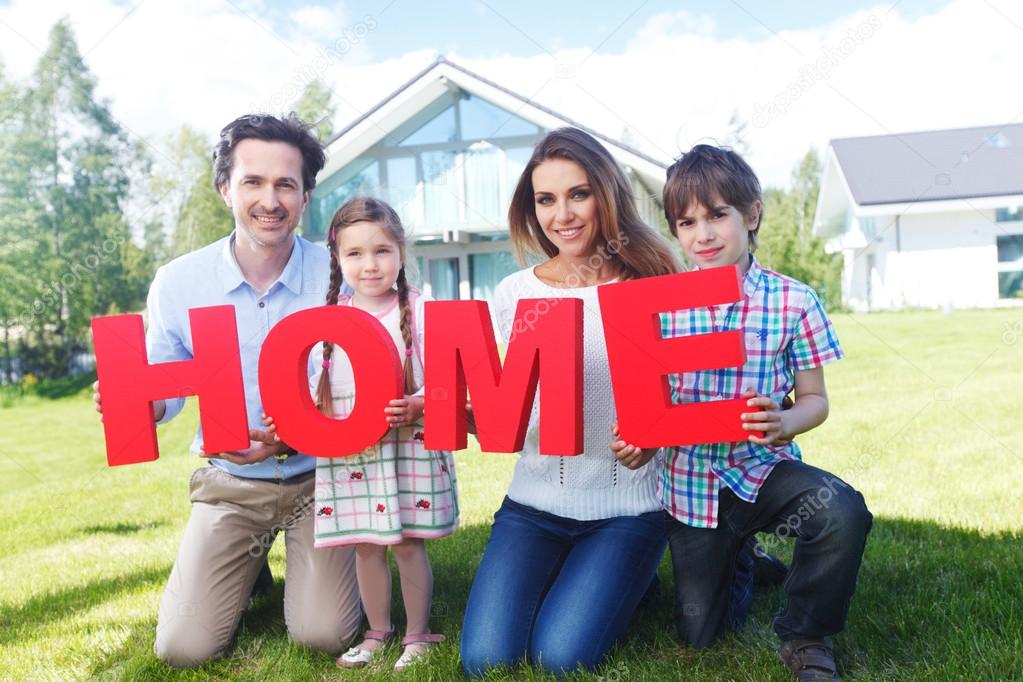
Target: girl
<point>577,541</point>
<point>396,493</point>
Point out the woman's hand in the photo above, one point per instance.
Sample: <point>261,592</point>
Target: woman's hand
<point>404,411</point>
<point>630,456</point>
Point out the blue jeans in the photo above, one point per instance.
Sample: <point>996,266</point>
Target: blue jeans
<point>555,591</point>
<point>830,523</point>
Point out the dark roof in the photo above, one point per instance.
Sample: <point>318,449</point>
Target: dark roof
<point>929,166</point>
<point>442,60</point>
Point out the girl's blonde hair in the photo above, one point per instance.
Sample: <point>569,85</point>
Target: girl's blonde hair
<point>635,248</point>
<point>366,210</point>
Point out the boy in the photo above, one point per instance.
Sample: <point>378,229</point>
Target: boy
<point>716,496</point>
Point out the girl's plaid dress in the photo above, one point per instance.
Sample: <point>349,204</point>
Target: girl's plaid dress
<point>395,490</point>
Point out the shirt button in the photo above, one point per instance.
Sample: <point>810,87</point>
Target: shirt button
<point>262,304</point>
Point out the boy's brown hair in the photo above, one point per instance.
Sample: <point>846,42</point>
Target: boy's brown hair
<point>705,173</point>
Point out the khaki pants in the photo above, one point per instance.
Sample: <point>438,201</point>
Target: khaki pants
<point>233,523</point>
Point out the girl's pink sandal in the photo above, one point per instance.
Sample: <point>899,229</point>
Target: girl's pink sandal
<point>357,657</point>
<point>412,654</point>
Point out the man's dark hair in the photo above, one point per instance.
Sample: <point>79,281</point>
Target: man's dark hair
<point>705,171</point>
<point>290,129</point>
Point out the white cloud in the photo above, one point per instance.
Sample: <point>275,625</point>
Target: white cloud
<point>664,25</point>
<point>676,82</point>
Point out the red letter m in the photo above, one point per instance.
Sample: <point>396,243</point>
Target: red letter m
<point>461,355</point>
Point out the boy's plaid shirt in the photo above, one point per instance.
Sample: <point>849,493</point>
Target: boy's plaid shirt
<point>785,329</point>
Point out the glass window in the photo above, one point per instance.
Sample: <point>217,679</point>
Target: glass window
<point>486,270</point>
<point>1010,249</point>
<point>363,182</point>
<point>483,184</point>
<point>442,189</point>
<point>1010,284</point>
<point>869,226</point>
<point>415,273</point>
<point>402,191</point>
<point>444,278</point>
<point>516,159</point>
<point>1010,266</point>
<point>440,128</point>
<point>482,120</point>
<point>1006,215</point>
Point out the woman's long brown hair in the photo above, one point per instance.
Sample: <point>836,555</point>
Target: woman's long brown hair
<point>359,210</point>
<point>634,247</point>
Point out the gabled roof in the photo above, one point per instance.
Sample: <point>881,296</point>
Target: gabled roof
<point>440,77</point>
<point>935,165</point>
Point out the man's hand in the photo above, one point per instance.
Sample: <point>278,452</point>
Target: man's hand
<point>257,451</point>
<point>159,406</point>
<point>630,456</point>
<point>97,403</point>
<point>268,436</point>
<point>262,446</point>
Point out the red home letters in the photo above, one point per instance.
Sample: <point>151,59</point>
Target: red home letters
<point>545,350</point>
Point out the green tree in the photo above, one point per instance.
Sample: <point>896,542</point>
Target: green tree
<point>316,107</point>
<point>15,248</point>
<point>72,162</point>
<point>787,242</point>
<point>204,216</point>
<point>195,212</point>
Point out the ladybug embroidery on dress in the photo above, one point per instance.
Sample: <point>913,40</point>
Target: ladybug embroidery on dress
<point>418,435</point>
<point>325,511</point>
<point>380,507</point>
<point>357,475</point>
<point>423,504</point>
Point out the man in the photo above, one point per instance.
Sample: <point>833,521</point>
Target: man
<point>264,168</point>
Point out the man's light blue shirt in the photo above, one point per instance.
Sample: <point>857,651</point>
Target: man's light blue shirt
<point>211,276</point>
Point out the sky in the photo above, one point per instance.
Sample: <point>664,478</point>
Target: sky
<point>661,75</point>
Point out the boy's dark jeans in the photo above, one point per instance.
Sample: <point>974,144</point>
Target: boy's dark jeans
<point>830,522</point>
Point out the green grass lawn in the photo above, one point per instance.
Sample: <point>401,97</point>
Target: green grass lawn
<point>924,421</point>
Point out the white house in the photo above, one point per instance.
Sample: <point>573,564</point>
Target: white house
<point>926,219</point>
<point>446,149</point>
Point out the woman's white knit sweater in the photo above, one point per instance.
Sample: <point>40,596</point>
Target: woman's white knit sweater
<point>592,485</point>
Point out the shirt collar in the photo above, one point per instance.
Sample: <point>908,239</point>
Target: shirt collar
<point>291,277</point>
<point>753,276</point>
<point>751,280</point>
<point>231,275</point>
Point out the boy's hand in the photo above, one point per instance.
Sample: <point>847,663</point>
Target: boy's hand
<point>630,456</point>
<point>404,411</point>
<point>770,419</point>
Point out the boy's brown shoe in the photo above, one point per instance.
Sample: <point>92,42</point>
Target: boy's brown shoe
<point>810,660</point>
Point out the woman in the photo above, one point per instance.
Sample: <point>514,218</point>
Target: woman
<point>577,540</point>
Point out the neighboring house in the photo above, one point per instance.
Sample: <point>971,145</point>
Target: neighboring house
<point>446,150</point>
<point>928,219</point>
